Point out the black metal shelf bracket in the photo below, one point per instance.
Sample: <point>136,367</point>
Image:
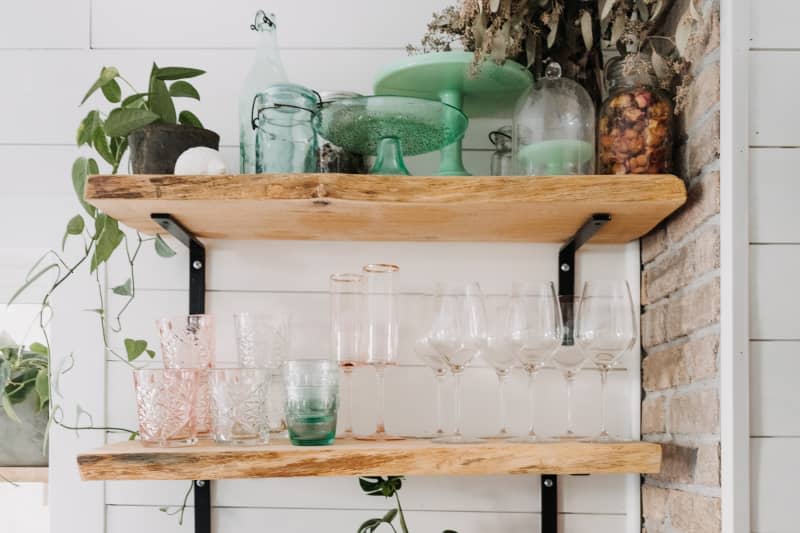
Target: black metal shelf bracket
<point>566,292</point>
<point>197,305</point>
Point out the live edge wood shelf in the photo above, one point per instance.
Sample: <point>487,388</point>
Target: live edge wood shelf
<point>132,460</point>
<point>394,208</point>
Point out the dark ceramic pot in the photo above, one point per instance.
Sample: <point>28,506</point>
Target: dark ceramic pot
<point>155,148</point>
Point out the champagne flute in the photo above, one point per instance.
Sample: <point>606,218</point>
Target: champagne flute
<point>347,295</point>
<point>500,355</point>
<point>605,328</point>
<point>569,359</point>
<point>536,333</point>
<point>459,335</point>
<point>428,355</point>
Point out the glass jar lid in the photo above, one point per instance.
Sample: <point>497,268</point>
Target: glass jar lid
<point>501,138</point>
<point>632,69</point>
<point>263,22</point>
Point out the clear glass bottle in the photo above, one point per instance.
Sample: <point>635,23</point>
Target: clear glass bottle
<point>267,70</point>
<point>334,158</point>
<point>501,158</point>
<point>286,140</point>
<point>554,128</point>
<point>635,123</point>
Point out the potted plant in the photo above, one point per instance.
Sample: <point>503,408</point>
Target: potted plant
<point>145,122</point>
<point>25,396</point>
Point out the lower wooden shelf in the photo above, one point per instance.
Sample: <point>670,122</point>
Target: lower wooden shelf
<point>133,460</point>
<point>23,474</point>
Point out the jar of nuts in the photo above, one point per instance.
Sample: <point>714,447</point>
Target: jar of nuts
<point>635,122</point>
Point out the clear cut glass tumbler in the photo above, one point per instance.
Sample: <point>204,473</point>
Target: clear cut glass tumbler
<point>239,406</point>
<point>165,403</point>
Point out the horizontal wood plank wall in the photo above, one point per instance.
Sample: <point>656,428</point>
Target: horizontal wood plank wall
<point>774,263</point>
<point>53,50</point>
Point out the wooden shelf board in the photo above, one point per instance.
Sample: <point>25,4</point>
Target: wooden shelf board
<point>133,460</point>
<point>393,208</point>
<point>24,474</point>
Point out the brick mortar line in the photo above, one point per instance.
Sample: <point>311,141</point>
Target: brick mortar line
<point>695,126</point>
<point>713,219</point>
<point>683,439</point>
<point>711,383</point>
<point>702,490</point>
<point>696,283</point>
<point>705,331</point>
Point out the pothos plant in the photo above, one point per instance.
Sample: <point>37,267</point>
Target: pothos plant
<point>386,487</point>
<point>23,371</point>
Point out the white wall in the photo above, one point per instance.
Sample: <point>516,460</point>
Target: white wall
<point>50,51</point>
<point>774,257</point>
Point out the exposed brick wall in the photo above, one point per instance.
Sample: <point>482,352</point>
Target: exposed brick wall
<point>680,316</point>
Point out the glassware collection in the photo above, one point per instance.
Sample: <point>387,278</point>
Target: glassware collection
<point>194,397</point>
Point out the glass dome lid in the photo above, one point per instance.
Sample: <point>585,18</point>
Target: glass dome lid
<point>553,129</point>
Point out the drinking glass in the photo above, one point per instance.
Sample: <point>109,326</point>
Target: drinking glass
<point>381,333</point>
<point>262,341</point>
<point>433,360</point>
<point>312,390</point>
<point>165,404</point>
<point>189,341</point>
<point>569,359</point>
<point>239,405</point>
<point>536,332</point>
<point>347,313</point>
<point>459,335</point>
<point>500,355</point>
<point>605,328</point>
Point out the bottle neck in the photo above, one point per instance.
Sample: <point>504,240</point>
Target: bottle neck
<point>267,48</point>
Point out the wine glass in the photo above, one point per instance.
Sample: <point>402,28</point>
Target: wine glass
<point>536,332</point>
<point>347,295</point>
<point>605,328</point>
<point>569,359</point>
<point>381,332</point>
<point>500,355</point>
<point>433,360</point>
<point>459,335</point>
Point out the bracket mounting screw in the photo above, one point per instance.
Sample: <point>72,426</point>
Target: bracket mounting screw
<point>200,483</point>
<point>548,483</point>
<point>197,265</point>
<point>565,267</point>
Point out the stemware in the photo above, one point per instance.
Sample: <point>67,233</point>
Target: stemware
<point>347,295</point>
<point>381,334</point>
<point>569,359</point>
<point>433,360</point>
<point>459,335</point>
<point>500,355</point>
<point>605,328</point>
<point>536,331</point>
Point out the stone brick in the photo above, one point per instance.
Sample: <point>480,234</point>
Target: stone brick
<point>702,145</point>
<point>654,418</point>
<point>654,506</point>
<point>697,308</point>
<point>693,513</point>
<point>653,244</point>
<point>679,267</point>
<point>694,412</point>
<point>702,203</point>
<point>677,463</point>
<point>686,363</point>
<point>703,95</point>
<point>707,469</point>
<point>706,40</point>
<point>654,325</point>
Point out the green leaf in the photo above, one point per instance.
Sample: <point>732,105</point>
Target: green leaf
<point>183,89</point>
<point>151,353</point>
<point>122,121</point>
<point>31,280</point>
<point>126,289</point>
<point>162,248</point>
<point>87,127</point>
<point>81,168</point>
<point>176,73</point>
<point>101,146</point>
<point>135,348</point>
<point>39,348</point>
<point>107,74</point>
<point>135,100</point>
<point>189,119</point>
<point>108,240</point>
<point>8,409</point>
<point>133,435</point>
<point>370,525</point>
<point>112,92</point>
<point>389,516</point>
<point>43,387</point>
<point>160,102</point>
<point>74,227</point>
<point>5,375</point>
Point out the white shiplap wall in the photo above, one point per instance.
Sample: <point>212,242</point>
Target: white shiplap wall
<point>774,261</point>
<point>50,50</point>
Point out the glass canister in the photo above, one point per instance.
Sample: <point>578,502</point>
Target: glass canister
<point>553,128</point>
<point>267,70</point>
<point>635,124</point>
<point>283,119</point>
<point>334,158</point>
<point>501,158</point>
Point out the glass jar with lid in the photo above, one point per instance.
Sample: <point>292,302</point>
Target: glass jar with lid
<point>554,128</point>
<point>635,124</point>
<point>283,118</point>
<point>501,158</point>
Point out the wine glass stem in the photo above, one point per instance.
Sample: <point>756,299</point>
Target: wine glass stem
<point>501,399</point>
<point>531,401</point>
<point>457,392</point>
<point>439,379</point>
<point>379,374</point>
<point>603,400</point>
<point>570,380</point>
<point>348,399</point>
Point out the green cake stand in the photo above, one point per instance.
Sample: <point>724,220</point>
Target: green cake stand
<point>445,76</point>
<point>390,126</point>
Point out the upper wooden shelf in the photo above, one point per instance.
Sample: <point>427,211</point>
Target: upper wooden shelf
<point>23,474</point>
<point>392,208</point>
<point>132,460</point>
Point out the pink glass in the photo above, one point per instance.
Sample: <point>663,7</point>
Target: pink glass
<point>189,341</point>
<point>165,403</point>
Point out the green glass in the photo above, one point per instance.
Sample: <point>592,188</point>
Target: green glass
<point>390,127</point>
<point>312,399</point>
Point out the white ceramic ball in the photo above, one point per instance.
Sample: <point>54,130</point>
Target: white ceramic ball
<point>200,160</point>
